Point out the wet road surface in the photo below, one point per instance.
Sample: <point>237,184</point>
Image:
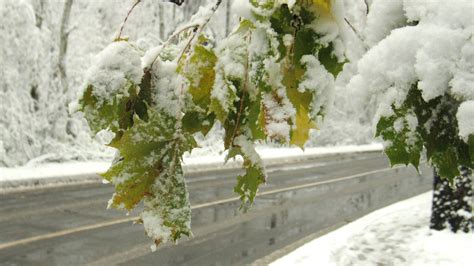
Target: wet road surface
<point>69,225</point>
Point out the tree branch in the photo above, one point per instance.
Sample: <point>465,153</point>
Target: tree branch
<point>126,18</point>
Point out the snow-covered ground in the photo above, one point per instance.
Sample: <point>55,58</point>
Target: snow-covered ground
<point>395,235</point>
<point>194,161</point>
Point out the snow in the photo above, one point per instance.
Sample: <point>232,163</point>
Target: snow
<point>384,16</point>
<point>248,149</point>
<point>288,40</point>
<point>192,162</point>
<point>38,129</point>
<point>427,55</point>
<point>52,170</point>
<point>242,8</point>
<point>154,227</point>
<point>465,118</point>
<point>395,235</point>
<point>33,119</point>
<point>114,66</point>
<point>463,77</point>
<point>317,78</point>
<point>167,94</point>
<point>278,112</point>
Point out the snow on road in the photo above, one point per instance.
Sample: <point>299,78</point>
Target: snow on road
<point>395,235</point>
<point>71,169</point>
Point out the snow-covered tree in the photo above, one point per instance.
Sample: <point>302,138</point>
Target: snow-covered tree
<point>422,84</point>
<point>45,45</point>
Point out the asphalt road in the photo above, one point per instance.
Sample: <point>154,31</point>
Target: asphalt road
<point>69,225</point>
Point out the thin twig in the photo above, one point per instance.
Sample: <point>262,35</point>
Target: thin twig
<point>170,39</point>
<point>197,28</point>
<point>126,18</point>
<point>200,28</point>
<point>356,32</point>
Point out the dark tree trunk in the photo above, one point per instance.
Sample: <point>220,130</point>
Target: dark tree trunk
<point>452,206</point>
<point>227,17</point>
<point>161,18</point>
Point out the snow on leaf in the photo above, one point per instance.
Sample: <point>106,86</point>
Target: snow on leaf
<point>167,211</point>
<point>258,83</point>
<point>199,70</point>
<point>417,124</point>
<point>114,114</point>
<point>112,94</point>
<point>404,143</point>
<point>330,61</point>
<point>200,73</point>
<point>465,117</point>
<point>142,149</point>
<point>232,56</point>
<point>248,184</point>
<point>149,169</point>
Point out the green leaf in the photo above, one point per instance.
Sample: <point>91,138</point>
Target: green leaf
<point>471,149</point>
<point>198,122</point>
<point>446,163</point>
<point>149,169</point>
<point>329,60</point>
<point>248,184</point>
<point>168,203</point>
<point>256,120</point>
<point>144,97</point>
<point>405,145</point>
<point>199,70</point>
<point>142,149</point>
<point>114,115</point>
<point>437,132</point>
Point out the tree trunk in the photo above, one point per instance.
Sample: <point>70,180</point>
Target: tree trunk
<point>63,44</point>
<point>64,31</point>
<point>227,17</point>
<point>161,19</point>
<point>452,206</point>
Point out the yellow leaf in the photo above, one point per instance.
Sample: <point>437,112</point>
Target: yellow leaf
<point>323,5</point>
<point>300,133</point>
<point>320,7</point>
<point>301,101</point>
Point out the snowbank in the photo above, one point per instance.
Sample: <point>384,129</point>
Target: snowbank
<point>191,162</point>
<point>395,235</point>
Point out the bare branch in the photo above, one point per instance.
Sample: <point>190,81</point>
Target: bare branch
<point>356,32</point>
<point>126,18</point>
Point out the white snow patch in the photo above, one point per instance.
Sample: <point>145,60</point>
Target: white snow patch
<point>113,66</point>
<point>268,153</point>
<point>192,161</point>
<point>155,228</point>
<point>395,235</point>
<point>52,170</point>
<point>465,118</point>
